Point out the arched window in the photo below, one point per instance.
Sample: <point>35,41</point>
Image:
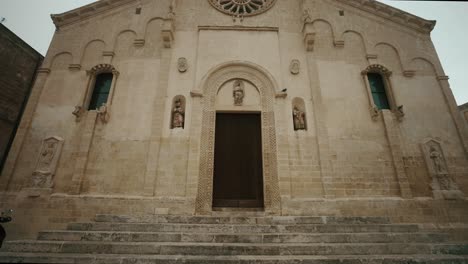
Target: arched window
<point>379,91</point>
<point>377,88</point>
<point>101,90</point>
<point>101,83</point>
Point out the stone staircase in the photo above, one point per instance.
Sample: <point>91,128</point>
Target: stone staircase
<point>251,239</point>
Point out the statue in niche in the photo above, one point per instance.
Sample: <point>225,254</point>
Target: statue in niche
<point>443,186</point>
<point>295,66</point>
<point>436,158</point>
<point>182,65</point>
<point>47,162</point>
<point>178,114</point>
<point>238,92</point>
<point>46,156</point>
<point>299,119</point>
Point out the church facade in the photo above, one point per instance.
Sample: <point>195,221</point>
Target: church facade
<point>297,107</point>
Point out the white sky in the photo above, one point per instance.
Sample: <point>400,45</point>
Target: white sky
<point>30,20</point>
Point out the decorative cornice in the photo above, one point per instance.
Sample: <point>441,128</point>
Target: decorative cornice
<point>394,14</point>
<point>101,68</point>
<point>443,78</point>
<point>86,11</point>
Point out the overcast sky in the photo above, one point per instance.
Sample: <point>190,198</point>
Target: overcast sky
<point>30,20</point>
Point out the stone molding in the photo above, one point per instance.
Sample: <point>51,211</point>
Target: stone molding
<point>87,11</point>
<point>393,14</point>
<point>266,86</point>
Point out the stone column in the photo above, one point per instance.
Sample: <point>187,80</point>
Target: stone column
<point>23,128</point>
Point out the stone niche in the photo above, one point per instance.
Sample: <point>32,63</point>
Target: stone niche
<point>227,98</point>
<point>443,185</point>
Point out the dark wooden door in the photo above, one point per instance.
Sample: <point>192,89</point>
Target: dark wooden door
<point>238,174</point>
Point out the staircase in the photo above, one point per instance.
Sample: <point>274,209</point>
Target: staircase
<point>251,239</point>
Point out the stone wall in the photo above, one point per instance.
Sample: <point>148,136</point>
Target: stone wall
<point>350,160</point>
<point>18,67</point>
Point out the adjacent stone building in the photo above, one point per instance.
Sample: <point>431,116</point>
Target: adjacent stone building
<point>296,107</point>
<point>18,64</point>
<point>464,111</point>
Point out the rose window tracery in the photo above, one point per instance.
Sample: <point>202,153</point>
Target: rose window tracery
<point>242,7</point>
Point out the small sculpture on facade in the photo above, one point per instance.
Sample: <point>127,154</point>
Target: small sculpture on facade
<point>299,119</point>
<point>295,67</point>
<point>399,113</point>
<point>182,64</point>
<point>238,92</point>
<point>178,114</point>
<point>443,186</point>
<point>374,112</point>
<point>47,162</point>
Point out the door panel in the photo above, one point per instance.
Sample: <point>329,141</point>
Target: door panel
<point>238,175</point>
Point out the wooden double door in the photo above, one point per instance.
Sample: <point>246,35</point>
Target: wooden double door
<point>238,173</point>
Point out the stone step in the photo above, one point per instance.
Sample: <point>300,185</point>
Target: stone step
<point>240,220</point>
<point>57,235</point>
<point>232,249</point>
<point>41,258</point>
<point>238,228</point>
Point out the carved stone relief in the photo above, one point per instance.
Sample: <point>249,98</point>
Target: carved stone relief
<point>47,162</point>
<point>103,112</point>
<point>443,186</point>
<point>238,92</point>
<point>182,64</point>
<point>178,114</point>
<point>295,67</point>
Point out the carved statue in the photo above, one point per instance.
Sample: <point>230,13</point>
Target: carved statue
<point>182,65</point>
<point>299,119</point>
<point>294,67</point>
<point>436,158</point>
<point>238,92</point>
<point>46,156</point>
<point>178,114</point>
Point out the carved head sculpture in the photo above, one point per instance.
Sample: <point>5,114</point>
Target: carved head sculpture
<point>182,65</point>
<point>295,66</point>
<point>238,92</point>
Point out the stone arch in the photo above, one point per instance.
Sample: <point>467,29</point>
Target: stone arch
<point>124,44</point>
<point>61,60</point>
<point>355,46</point>
<point>92,53</point>
<point>423,66</point>
<point>266,85</point>
<point>153,39</point>
<point>388,55</point>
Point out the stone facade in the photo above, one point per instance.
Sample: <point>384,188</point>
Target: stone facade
<point>18,64</point>
<point>138,154</point>
<point>464,111</point>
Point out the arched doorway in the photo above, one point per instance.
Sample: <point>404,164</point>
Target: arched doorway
<point>266,87</point>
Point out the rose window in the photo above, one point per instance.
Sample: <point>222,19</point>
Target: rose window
<point>242,7</point>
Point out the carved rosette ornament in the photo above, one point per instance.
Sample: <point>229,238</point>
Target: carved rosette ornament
<point>47,162</point>
<point>443,186</point>
<point>242,8</point>
<point>182,65</point>
<point>238,92</point>
<point>295,67</point>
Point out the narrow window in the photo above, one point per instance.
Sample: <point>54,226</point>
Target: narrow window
<point>378,90</point>
<point>101,90</point>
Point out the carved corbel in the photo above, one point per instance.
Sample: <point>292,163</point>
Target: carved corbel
<point>139,43</point>
<point>168,33</point>
<point>374,112</point>
<point>78,112</point>
<point>409,73</point>
<point>195,93</point>
<point>309,36</point>
<point>74,67</point>
<point>399,113</point>
<point>338,43</point>
<point>103,113</point>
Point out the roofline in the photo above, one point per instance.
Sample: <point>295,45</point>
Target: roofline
<point>392,13</point>
<point>372,6</point>
<point>86,11</point>
<point>22,40</point>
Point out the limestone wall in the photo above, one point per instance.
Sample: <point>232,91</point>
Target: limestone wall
<point>138,164</point>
